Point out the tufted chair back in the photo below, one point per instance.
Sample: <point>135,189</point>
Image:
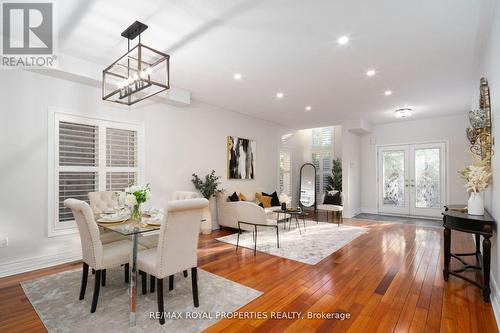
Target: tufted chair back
<point>102,201</point>
<point>178,240</point>
<point>183,195</point>
<point>89,232</point>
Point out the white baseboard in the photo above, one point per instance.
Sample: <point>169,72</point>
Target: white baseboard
<point>369,210</point>
<point>43,261</point>
<point>352,212</point>
<point>495,302</point>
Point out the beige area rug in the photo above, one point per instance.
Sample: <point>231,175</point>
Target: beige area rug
<point>309,246</point>
<point>55,299</point>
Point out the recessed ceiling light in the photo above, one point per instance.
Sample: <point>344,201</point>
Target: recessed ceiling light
<point>280,95</point>
<point>308,108</point>
<point>388,92</point>
<point>343,40</point>
<point>237,76</point>
<point>370,72</point>
<point>403,113</point>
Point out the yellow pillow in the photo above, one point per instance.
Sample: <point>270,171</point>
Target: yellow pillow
<point>266,201</point>
<point>242,197</point>
<point>258,196</point>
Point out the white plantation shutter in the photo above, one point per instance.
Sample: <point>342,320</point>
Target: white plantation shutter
<point>78,161</point>
<point>121,148</point>
<point>121,155</point>
<point>89,155</point>
<point>322,145</point>
<point>285,174</point>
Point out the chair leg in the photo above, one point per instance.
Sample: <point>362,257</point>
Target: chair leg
<point>159,293</point>
<point>255,241</point>
<point>126,272</point>
<point>152,281</point>
<point>143,280</point>
<point>85,274</point>
<point>278,235</point>
<point>238,239</point>
<point>171,282</point>
<point>93,271</point>
<point>194,280</point>
<point>103,278</point>
<point>97,286</point>
<point>185,273</point>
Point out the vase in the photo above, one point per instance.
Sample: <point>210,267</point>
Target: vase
<point>136,213</point>
<point>475,205</point>
<point>206,222</point>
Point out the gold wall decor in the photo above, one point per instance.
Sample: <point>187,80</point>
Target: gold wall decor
<point>479,134</point>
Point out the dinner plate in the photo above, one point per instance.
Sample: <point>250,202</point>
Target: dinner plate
<point>154,222</point>
<point>112,219</point>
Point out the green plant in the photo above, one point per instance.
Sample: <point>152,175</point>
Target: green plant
<point>335,179</point>
<point>209,187</point>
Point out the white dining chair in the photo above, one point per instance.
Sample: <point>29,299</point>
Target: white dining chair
<point>177,247</point>
<point>150,242</point>
<point>101,202</point>
<point>95,254</point>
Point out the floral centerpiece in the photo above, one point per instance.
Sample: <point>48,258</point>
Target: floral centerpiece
<point>135,195</point>
<point>477,177</point>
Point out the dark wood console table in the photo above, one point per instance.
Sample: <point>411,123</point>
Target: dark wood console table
<point>479,225</point>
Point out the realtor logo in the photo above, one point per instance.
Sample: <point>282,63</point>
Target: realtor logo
<point>27,29</point>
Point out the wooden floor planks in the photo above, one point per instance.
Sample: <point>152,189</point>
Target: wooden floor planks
<point>388,280</point>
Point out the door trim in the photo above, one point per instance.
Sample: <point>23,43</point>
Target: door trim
<point>446,143</point>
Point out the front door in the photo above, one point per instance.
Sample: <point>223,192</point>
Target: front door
<point>412,179</point>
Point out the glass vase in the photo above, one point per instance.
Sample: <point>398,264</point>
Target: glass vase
<point>136,213</point>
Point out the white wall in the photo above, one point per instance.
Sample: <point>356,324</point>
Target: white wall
<point>351,171</point>
<point>179,141</point>
<point>451,129</point>
<point>490,68</point>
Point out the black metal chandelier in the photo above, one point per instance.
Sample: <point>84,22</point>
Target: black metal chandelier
<point>140,73</point>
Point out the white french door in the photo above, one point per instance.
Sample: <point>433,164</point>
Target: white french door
<point>412,179</point>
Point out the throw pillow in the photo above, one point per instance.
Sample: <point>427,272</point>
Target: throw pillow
<point>234,197</point>
<point>332,198</point>
<point>242,197</point>
<point>275,201</point>
<point>266,201</point>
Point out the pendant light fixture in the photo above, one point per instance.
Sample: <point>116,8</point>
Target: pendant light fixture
<point>140,73</point>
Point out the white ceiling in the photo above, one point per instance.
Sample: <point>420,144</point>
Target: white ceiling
<point>424,51</point>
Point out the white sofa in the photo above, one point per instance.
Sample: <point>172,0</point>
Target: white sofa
<point>228,212</point>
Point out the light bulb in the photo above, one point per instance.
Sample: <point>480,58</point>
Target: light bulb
<point>142,74</point>
<point>149,71</point>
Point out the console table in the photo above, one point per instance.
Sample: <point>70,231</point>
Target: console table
<point>479,225</point>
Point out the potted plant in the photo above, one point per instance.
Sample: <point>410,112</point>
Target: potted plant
<point>335,180</point>
<point>208,188</point>
<point>478,177</point>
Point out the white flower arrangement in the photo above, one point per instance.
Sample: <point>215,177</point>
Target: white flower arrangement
<point>135,195</point>
<point>477,176</point>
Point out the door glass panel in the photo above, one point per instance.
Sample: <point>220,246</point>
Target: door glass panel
<point>427,178</point>
<point>393,164</point>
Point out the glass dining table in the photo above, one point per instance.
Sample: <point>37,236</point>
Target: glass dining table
<point>133,229</point>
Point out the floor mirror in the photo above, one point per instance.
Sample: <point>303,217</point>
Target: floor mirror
<point>307,190</point>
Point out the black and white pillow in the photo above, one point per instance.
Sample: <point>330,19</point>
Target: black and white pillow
<point>234,197</point>
<point>332,198</point>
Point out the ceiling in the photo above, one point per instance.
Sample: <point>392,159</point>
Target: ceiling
<point>425,51</point>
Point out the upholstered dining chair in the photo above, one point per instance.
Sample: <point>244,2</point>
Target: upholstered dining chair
<point>152,242</point>
<point>177,246</point>
<point>95,254</point>
<point>101,202</point>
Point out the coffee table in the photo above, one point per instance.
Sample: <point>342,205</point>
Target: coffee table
<point>293,213</point>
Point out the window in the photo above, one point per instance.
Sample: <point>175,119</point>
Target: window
<point>285,173</point>
<point>88,155</point>
<point>322,154</point>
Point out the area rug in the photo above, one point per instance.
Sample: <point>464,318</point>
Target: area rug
<point>55,299</point>
<point>317,242</point>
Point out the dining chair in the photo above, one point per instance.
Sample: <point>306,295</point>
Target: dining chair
<point>150,242</point>
<point>95,254</point>
<point>101,202</point>
<point>177,247</point>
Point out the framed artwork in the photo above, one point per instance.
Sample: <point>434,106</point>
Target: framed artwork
<point>240,158</point>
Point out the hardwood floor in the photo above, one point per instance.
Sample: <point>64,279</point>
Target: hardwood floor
<point>388,280</point>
